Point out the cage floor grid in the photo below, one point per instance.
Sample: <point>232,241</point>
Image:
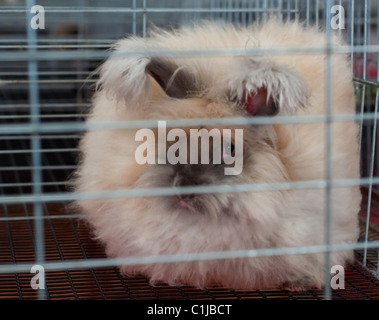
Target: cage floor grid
<point>68,239</point>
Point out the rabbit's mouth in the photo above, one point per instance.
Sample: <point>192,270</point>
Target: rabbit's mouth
<point>189,202</point>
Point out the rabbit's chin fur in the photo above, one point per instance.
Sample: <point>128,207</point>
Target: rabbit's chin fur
<point>140,87</point>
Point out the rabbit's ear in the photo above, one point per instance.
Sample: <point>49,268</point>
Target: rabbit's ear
<point>123,78</point>
<point>126,77</point>
<point>174,80</point>
<point>265,89</point>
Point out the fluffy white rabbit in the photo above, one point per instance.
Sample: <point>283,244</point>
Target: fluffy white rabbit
<point>145,87</point>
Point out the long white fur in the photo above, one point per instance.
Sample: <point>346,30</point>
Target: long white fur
<point>149,226</point>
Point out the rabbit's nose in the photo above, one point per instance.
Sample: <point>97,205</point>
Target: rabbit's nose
<point>184,200</point>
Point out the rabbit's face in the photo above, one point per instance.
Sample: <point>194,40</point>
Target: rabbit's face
<point>202,156</point>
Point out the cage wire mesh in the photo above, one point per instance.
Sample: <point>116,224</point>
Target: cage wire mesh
<point>45,90</point>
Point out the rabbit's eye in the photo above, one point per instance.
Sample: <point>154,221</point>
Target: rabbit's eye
<point>228,151</point>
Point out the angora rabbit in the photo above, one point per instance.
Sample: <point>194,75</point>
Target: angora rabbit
<point>158,87</point>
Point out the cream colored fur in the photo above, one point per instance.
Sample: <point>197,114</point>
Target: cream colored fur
<point>277,153</point>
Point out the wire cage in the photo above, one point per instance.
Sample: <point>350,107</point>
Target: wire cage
<point>45,91</point>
